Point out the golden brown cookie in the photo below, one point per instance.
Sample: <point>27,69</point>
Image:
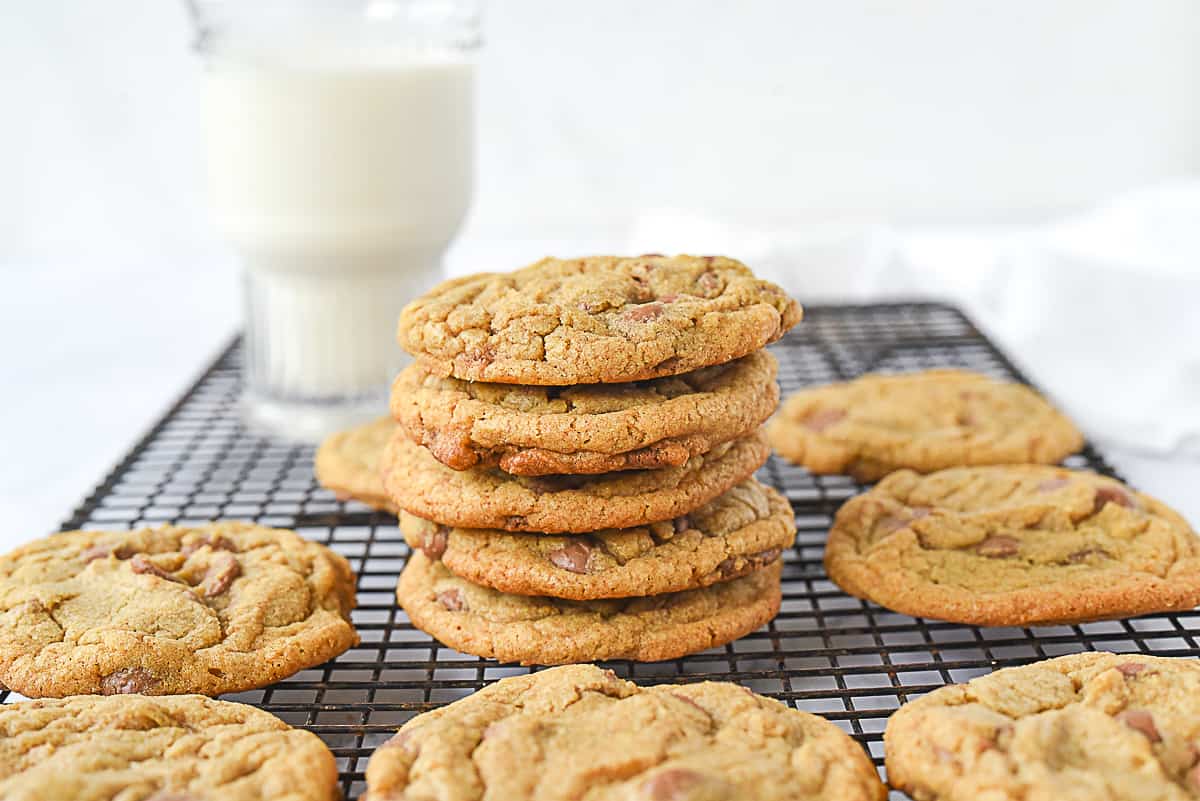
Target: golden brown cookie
<point>739,532</point>
<point>480,498</point>
<point>594,428</point>
<point>580,732</point>
<point>595,320</point>
<point>536,630</point>
<point>1012,546</point>
<point>348,463</point>
<point>1088,727</point>
<point>177,748</point>
<point>214,609</point>
<point>921,421</point>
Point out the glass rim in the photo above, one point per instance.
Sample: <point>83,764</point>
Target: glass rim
<point>449,24</point>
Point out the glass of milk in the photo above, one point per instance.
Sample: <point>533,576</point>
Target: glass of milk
<point>340,160</point>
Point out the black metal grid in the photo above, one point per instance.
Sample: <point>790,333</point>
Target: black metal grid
<point>826,652</point>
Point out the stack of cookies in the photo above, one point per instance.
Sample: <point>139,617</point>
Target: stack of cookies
<point>575,454</point>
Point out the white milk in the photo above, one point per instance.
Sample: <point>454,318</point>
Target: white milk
<point>340,178</point>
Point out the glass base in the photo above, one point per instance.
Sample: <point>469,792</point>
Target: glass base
<point>308,422</point>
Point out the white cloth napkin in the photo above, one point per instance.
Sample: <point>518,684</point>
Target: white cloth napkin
<point>1102,308</point>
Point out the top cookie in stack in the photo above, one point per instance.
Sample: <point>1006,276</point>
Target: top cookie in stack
<point>618,399</point>
<point>595,320</point>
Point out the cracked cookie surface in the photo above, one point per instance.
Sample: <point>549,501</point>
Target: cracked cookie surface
<point>595,320</point>
<point>922,421</point>
<point>739,532</point>
<point>537,630</point>
<point>348,463</point>
<point>480,498</point>
<point>594,428</point>
<point>139,748</point>
<point>1087,727</point>
<point>580,732</point>
<point>1015,545</point>
<point>213,609</point>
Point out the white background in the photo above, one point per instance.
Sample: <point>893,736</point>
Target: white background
<point>593,118</point>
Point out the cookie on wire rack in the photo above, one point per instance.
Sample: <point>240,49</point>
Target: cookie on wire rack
<point>584,429</point>
<point>598,736</point>
<point>923,421</point>
<point>210,609</point>
<point>170,748</point>
<point>1086,727</point>
<point>540,630</point>
<point>600,319</point>
<point>1012,546</point>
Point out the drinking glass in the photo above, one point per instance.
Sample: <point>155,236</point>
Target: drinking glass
<point>340,137</point>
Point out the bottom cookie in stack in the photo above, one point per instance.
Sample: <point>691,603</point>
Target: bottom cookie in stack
<point>650,593</point>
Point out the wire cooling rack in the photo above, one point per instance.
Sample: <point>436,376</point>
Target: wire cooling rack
<point>826,652</point>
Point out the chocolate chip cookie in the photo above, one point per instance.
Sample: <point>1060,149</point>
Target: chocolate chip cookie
<point>178,748</point>
<point>593,428</point>
<point>348,463</point>
<point>595,320</point>
<point>214,609</point>
<point>741,531</point>
<point>580,732</point>
<point>535,630</point>
<point>1088,727</point>
<point>481,498</point>
<point>1012,546</point>
<point>921,421</point>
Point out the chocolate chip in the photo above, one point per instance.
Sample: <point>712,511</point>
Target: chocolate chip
<point>573,556</point>
<point>140,563</point>
<point>673,784</point>
<point>97,552</point>
<point>1083,554</point>
<point>515,522</point>
<point>1111,494</point>
<point>220,575</point>
<point>681,524</point>
<point>710,284</point>
<point>644,313</point>
<point>128,680</point>
<point>740,566</point>
<point>823,419</point>
<point>1129,669</point>
<point>452,448</point>
<point>557,483</point>
<point>764,557</point>
<point>452,600</point>
<point>104,551</point>
<point>215,542</point>
<point>480,357</point>
<point>998,546</point>
<point>433,544</point>
<point>889,523</point>
<point>1142,721</point>
<point>1052,484</point>
<point>728,568</point>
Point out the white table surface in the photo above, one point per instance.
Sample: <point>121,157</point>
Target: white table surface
<point>94,355</point>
